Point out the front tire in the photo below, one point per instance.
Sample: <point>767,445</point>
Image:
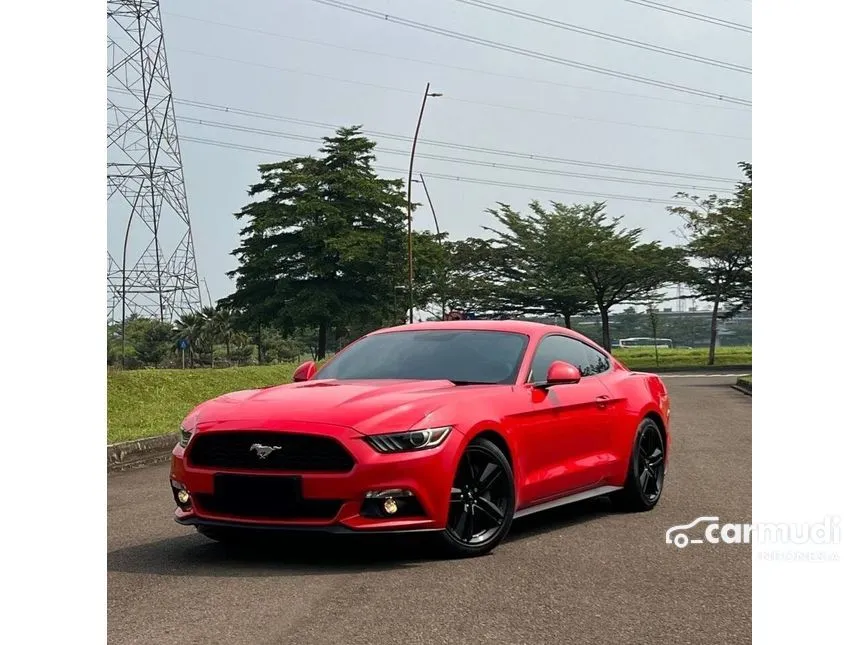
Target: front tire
<point>646,472</point>
<point>482,501</point>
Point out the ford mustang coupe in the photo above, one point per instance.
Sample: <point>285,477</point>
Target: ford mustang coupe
<point>454,428</point>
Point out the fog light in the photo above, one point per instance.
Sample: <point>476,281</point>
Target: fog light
<point>391,502</point>
<point>181,496</point>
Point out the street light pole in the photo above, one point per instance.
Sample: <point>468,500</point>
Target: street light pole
<point>427,93</point>
<point>438,231</point>
<point>430,202</point>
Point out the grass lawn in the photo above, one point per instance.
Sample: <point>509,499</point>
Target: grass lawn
<point>147,403</point>
<point>639,357</point>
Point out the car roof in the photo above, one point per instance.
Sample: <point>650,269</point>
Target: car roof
<point>527,327</point>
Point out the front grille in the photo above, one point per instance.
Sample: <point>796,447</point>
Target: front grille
<point>257,496</point>
<point>293,452</point>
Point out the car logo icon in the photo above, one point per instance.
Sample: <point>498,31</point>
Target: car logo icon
<point>263,451</point>
<point>677,534</point>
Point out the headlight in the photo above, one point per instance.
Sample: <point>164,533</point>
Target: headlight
<point>408,441</point>
<point>184,436</point>
<point>186,429</point>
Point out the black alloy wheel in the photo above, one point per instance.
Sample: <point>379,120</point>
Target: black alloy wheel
<point>482,501</point>
<point>650,467</point>
<point>647,469</point>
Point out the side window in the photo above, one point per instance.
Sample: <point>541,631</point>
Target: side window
<point>555,348</point>
<point>562,348</point>
<point>593,362</point>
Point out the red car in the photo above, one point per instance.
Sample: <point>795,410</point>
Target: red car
<point>454,428</point>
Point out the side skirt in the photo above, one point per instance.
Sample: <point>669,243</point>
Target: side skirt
<point>568,499</point>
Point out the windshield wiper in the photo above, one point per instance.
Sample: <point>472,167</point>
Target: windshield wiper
<point>473,382</point>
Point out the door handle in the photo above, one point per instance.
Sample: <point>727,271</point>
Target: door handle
<point>602,401</point>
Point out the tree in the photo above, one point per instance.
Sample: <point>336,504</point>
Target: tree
<point>209,334</point>
<point>535,261</point>
<point>572,259</point>
<point>241,350</point>
<point>431,260</point>
<point>325,245</point>
<point>629,323</point>
<point>189,327</point>
<point>147,342</point>
<point>654,323</point>
<point>618,268</point>
<point>223,326</point>
<point>472,279</point>
<point>719,234</point>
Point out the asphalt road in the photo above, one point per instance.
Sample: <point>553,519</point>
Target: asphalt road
<point>579,574</point>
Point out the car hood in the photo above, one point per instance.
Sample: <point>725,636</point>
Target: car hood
<point>370,407</point>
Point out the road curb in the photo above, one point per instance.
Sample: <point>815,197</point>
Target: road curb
<point>141,452</point>
<point>743,386</point>
<point>697,369</point>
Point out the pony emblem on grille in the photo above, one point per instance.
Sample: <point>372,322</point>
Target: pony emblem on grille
<point>263,451</point>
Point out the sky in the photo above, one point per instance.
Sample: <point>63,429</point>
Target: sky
<point>298,61</point>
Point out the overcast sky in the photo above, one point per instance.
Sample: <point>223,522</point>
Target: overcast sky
<point>309,67</point>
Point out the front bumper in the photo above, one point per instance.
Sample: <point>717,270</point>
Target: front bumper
<point>427,474</point>
<point>283,527</point>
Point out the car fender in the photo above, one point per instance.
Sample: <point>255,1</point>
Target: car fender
<point>468,423</point>
<point>496,426</point>
<point>643,394</point>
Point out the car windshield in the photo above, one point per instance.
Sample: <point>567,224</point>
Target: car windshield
<point>461,356</point>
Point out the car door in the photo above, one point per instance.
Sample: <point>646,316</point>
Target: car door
<point>619,419</point>
<point>567,431</point>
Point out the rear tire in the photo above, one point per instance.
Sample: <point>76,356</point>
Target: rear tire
<point>646,471</point>
<point>482,502</point>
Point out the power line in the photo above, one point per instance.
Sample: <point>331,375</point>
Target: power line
<point>532,53</point>
<point>659,6</point>
<point>460,68</point>
<point>293,70</point>
<point>458,160</point>
<point>455,146</point>
<point>566,191</point>
<point>457,178</point>
<point>629,124</point>
<point>500,106</point>
<point>525,15</point>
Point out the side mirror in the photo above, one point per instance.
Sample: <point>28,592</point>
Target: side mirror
<point>561,373</point>
<point>305,371</point>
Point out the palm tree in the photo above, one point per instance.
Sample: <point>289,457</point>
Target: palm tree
<point>189,327</point>
<point>240,340</point>
<point>210,330</point>
<point>224,326</point>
